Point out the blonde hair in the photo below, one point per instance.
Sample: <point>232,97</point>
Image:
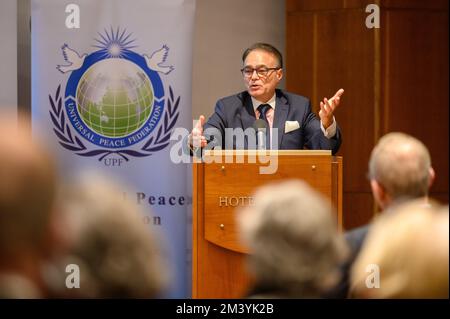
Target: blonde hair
<point>409,244</point>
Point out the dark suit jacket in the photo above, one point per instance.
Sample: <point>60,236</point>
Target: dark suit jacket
<point>355,239</point>
<point>237,111</point>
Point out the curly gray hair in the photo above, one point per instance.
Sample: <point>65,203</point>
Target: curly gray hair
<point>293,238</point>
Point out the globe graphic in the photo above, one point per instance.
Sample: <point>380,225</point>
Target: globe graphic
<point>114,97</point>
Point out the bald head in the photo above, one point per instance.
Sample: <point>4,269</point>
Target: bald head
<point>27,187</point>
<point>401,165</point>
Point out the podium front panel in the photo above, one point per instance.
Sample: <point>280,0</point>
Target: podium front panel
<point>221,188</point>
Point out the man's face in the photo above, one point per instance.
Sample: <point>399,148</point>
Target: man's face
<point>260,87</point>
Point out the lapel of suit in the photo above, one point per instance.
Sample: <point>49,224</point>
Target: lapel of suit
<point>281,113</point>
<point>248,116</point>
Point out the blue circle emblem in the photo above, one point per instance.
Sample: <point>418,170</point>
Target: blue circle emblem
<point>114,102</point>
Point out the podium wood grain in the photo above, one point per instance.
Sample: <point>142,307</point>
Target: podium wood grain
<point>219,269</point>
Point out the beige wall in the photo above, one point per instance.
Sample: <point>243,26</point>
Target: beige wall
<point>223,30</point>
<point>8,54</point>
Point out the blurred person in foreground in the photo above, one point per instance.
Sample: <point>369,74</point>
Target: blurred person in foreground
<point>117,254</point>
<point>294,244</point>
<point>399,170</point>
<point>410,247</point>
<point>28,219</point>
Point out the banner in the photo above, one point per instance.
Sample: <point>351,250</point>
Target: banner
<point>111,81</point>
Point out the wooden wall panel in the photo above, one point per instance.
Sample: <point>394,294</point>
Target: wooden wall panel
<point>317,69</point>
<point>359,209</point>
<point>440,5</point>
<point>346,59</point>
<point>441,197</point>
<point>318,5</point>
<point>415,66</point>
<point>322,56</point>
<point>395,78</point>
<point>299,59</point>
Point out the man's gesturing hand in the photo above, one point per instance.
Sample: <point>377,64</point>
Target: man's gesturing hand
<point>197,139</point>
<point>327,108</point>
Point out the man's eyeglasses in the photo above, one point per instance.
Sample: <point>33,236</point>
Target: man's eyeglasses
<point>262,71</point>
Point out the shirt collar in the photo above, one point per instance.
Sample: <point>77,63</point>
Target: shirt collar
<point>257,103</point>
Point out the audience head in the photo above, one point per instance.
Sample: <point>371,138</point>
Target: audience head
<point>293,239</point>
<point>27,213</point>
<point>399,168</point>
<point>410,248</point>
<point>27,190</point>
<point>117,254</point>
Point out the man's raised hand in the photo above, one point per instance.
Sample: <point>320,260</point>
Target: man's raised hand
<point>327,108</point>
<point>197,138</point>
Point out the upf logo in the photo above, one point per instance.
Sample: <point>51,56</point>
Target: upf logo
<point>114,99</point>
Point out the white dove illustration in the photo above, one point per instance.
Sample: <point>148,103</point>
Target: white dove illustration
<point>71,56</point>
<point>157,59</point>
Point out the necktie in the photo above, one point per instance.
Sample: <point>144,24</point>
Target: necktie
<point>263,108</point>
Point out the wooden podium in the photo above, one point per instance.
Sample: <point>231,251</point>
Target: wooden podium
<point>225,181</point>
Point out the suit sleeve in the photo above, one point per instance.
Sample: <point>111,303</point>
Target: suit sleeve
<point>214,128</point>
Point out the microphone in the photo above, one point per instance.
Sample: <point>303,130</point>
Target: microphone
<point>260,127</point>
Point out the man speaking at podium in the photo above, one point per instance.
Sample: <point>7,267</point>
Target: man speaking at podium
<point>284,118</point>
